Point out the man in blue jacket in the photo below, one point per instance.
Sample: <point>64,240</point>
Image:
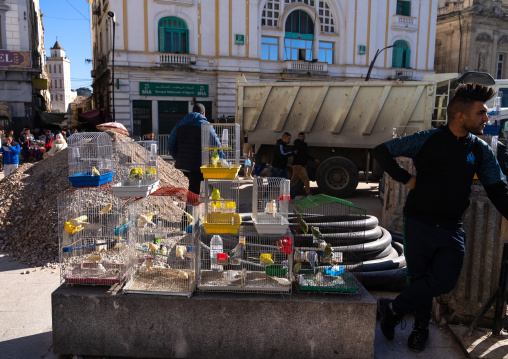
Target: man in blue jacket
<point>446,160</point>
<point>10,152</point>
<point>184,145</point>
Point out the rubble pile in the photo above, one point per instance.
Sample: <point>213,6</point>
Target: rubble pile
<point>28,206</point>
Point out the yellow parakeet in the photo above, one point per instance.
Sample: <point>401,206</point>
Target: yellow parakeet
<point>95,172</point>
<point>78,221</point>
<point>144,219</point>
<point>190,219</point>
<point>106,209</point>
<point>152,247</point>
<point>94,258</point>
<point>265,259</point>
<point>215,157</point>
<point>215,195</point>
<point>136,173</point>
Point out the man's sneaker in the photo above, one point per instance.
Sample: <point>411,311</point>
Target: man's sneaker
<point>389,319</point>
<point>418,337</point>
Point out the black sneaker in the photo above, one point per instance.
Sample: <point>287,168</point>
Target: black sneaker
<point>389,319</point>
<point>418,337</point>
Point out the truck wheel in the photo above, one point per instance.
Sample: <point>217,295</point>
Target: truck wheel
<point>337,176</point>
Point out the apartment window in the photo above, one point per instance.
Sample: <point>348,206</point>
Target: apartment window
<point>500,61</point>
<point>61,84</point>
<point>269,48</point>
<point>404,8</point>
<point>401,55</point>
<point>271,13</point>
<point>296,49</point>
<point>54,67</point>
<point>325,17</point>
<point>299,34</point>
<point>59,69</point>
<point>173,35</point>
<point>325,52</point>
<point>49,68</point>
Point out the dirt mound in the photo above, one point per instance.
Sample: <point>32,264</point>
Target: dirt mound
<point>28,205</point>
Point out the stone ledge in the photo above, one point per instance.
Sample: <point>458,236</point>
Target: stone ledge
<point>98,322</point>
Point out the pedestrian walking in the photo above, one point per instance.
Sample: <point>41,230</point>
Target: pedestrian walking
<point>300,161</point>
<point>446,160</point>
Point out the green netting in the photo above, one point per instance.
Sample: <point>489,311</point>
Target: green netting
<point>322,199</point>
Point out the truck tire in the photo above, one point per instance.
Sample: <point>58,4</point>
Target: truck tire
<point>337,176</point>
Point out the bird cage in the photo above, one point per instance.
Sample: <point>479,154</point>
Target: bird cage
<point>248,262</point>
<point>90,157</point>
<point>163,241</point>
<point>221,207</point>
<point>136,170</point>
<point>92,250</point>
<point>220,146</point>
<point>329,237</point>
<point>270,202</point>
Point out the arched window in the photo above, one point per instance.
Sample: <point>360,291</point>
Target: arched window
<point>299,34</point>
<point>173,35</point>
<point>401,57</point>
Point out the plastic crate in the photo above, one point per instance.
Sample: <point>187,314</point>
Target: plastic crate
<point>85,179</point>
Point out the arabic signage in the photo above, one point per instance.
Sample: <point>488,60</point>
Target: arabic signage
<point>11,58</point>
<point>171,89</point>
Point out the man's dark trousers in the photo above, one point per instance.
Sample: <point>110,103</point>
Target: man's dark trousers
<point>434,257</point>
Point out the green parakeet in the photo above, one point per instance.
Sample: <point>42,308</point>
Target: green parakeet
<point>297,267</point>
<point>328,250</point>
<point>215,195</point>
<point>303,226</point>
<point>316,233</point>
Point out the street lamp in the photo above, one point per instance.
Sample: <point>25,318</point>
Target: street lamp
<point>111,14</point>
<point>374,60</point>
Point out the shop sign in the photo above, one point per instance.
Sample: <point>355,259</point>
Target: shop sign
<point>171,89</point>
<point>40,84</point>
<point>11,58</point>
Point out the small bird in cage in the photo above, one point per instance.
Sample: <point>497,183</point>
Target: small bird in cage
<point>215,158</point>
<point>264,259</point>
<point>297,267</point>
<point>237,253</point>
<point>271,208</point>
<point>144,219</point>
<point>224,163</point>
<point>78,221</point>
<point>190,219</point>
<point>94,258</point>
<point>150,173</point>
<point>136,173</point>
<point>106,209</point>
<point>316,233</point>
<point>95,172</point>
<point>182,275</point>
<point>215,195</point>
<point>303,226</point>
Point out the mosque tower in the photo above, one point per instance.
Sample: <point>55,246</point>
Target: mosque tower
<point>59,68</point>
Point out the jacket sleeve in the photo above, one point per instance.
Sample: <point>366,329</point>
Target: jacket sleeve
<point>389,164</point>
<point>172,142</point>
<point>287,154</point>
<point>16,149</point>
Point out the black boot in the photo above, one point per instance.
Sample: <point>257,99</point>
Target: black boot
<point>418,337</point>
<point>389,319</point>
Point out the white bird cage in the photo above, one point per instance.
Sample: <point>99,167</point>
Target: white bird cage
<point>220,146</point>
<point>163,227</point>
<point>92,251</point>
<point>249,262</point>
<point>221,207</point>
<point>136,169</point>
<point>270,202</point>
<point>90,158</point>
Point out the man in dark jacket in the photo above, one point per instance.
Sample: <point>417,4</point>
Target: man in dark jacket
<point>446,160</point>
<point>281,155</point>
<point>25,139</point>
<point>300,161</point>
<point>184,145</point>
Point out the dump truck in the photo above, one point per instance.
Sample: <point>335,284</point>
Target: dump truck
<point>343,121</point>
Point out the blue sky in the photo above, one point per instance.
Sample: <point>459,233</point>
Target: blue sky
<point>69,21</point>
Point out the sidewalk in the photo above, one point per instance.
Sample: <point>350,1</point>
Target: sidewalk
<point>25,308</point>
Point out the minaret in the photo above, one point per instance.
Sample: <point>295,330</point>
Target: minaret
<point>59,69</point>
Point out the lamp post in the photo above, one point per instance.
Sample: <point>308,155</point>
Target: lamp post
<point>111,14</point>
<point>374,60</point>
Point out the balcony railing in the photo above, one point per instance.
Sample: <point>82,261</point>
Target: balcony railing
<point>457,6</point>
<point>168,59</point>
<point>304,67</point>
<point>401,22</point>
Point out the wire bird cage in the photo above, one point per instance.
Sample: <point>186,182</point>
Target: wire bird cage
<point>270,202</point>
<point>90,158</point>
<point>220,146</point>
<point>136,170</point>
<point>329,237</point>
<point>221,207</point>
<point>164,249</point>
<point>249,262</point>
<point>92,250</point>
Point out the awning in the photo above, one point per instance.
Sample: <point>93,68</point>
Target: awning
<point>94,117</point>
<point>52,118</point>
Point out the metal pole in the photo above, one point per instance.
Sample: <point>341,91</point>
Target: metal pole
<point>111,14</point>
<point>374,60</point>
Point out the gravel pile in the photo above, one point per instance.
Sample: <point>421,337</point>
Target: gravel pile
<point>28,206</point>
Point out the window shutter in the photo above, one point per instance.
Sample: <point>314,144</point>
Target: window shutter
<point>397,57</point>
<point>161,39</point>
<point>408,59</point>
<point>406,8</point>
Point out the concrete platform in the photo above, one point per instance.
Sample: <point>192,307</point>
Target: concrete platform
<point>480,343</point>
<point>94,321</point>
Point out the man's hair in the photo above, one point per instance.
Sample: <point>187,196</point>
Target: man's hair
<point>466,95</point>
<point>198,107</point>
<point>301,133</point>
<point>8,136</point>
<point>286,134</point>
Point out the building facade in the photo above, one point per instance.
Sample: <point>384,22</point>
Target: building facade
<point>59,68</point>
<point>472,35</point>
<point>23,76</point>
<point>170,53</point>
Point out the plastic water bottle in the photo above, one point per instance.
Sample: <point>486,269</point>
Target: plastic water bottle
<point>215,248</point>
